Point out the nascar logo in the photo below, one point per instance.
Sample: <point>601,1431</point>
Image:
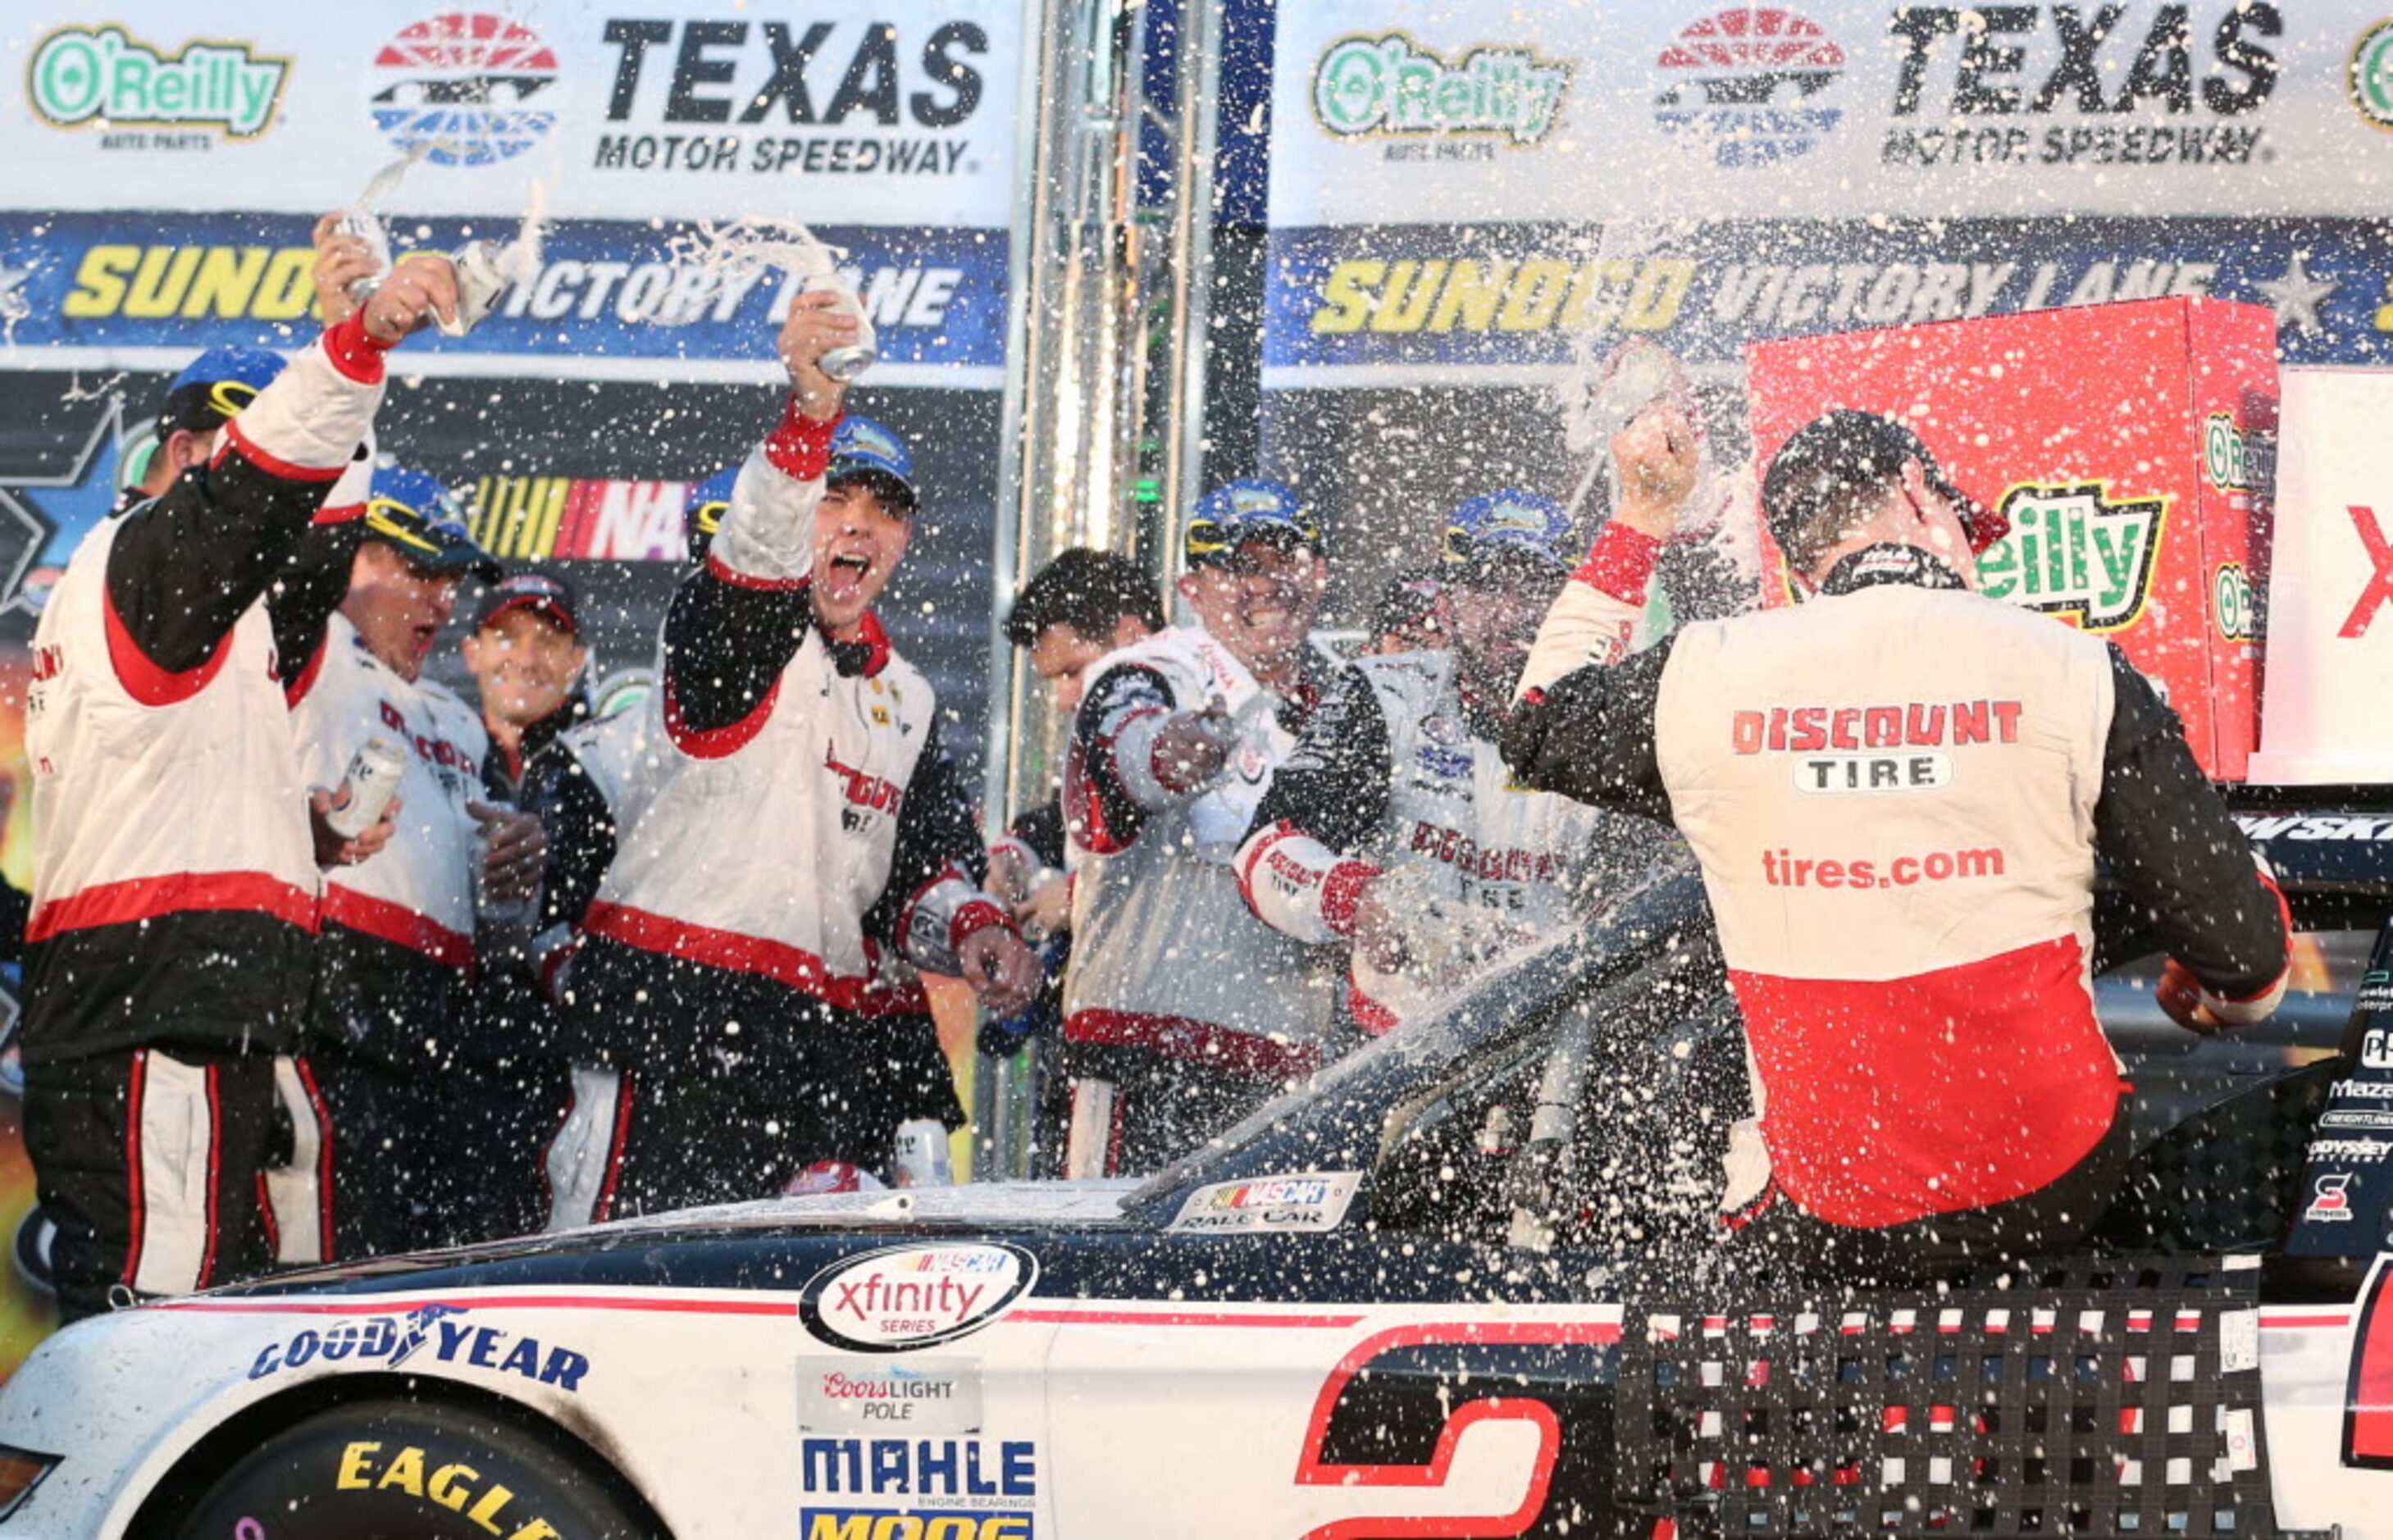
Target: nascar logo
<point>458,84</point>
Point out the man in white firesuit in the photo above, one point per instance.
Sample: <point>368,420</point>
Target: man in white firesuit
<point>804,820</point>
<point>1899,790</point>
<point>1394,826</point>
<point>176,871</point>
<point>397,946</point>
<point>1183,1012</point>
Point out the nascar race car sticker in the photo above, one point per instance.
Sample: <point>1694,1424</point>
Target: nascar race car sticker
<point>906,1297</point>
<point>925,1396</point>
<point>431,1334</point>
<point>1314,1201</point>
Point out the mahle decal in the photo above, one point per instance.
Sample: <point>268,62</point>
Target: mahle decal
<point>104,77</point>
<point>1392,84</point>
<point>2074,552</point>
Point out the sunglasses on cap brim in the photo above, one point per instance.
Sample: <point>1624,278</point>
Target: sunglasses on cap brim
<point>1210,542</point>
<point>1468,555</point>
<point>227,396</point>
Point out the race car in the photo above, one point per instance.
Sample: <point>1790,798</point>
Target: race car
<point>1458,1286</point>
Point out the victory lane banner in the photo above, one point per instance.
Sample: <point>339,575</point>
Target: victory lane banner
<point>1501,304</point>
<point>613,299</point>
<point>894,112</point>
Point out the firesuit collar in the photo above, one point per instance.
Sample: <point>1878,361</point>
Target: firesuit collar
<point>868,655</point>
<point>1889,562</point>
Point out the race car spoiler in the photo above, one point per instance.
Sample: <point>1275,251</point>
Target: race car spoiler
<point>2331,849</point>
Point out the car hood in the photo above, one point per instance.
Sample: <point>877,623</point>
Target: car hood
<point>604,1253</point>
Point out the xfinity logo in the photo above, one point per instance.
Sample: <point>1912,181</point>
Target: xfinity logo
<point>906,1297</point>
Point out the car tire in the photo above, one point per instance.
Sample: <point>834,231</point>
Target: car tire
<point>411,1470</point>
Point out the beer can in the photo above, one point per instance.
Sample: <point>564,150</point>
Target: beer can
<point>369,228</point>
<point>844,364</point>
<point>509,918</point>
<point>920,1157</point>
<point>481,278</point>
<point>366,787</point>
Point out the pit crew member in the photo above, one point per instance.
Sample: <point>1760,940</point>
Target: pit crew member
<point>208,393</point>
<point>586,786</point>
<point>805,816</point>
<point>397,952</point>
<point>528,658</point>
<point>1081,607</point>
<point>1183,1012</point>
<point>175,868</point>
<point>1394,829</point>
<point>1899,791</point>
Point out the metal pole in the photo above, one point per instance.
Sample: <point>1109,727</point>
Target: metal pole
<point>1197,121</point>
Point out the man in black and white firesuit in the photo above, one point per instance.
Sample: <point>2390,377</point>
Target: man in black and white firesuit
<point>1394,826</point>
<point>1183,1012</point>
<point>586,786</point>
<point>1898,791</point>
<point>804,819</point>
<point>396,950</point>
<point>175,870</point>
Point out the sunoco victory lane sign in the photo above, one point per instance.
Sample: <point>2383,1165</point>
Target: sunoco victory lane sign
<point>889,127</point>
<point>1479,183</point>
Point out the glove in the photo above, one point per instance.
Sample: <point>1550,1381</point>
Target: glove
<point>2185,1001</point>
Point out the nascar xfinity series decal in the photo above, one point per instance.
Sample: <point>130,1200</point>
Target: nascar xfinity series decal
<point>1314,1201</point>
<point>906,1297</point>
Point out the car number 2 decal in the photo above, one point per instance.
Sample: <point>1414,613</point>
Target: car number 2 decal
<point>2368,1397</point>
<point>1394,1409</point>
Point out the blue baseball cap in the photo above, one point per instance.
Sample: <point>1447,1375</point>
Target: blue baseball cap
<point>863,451</point>
<point>702,508</point>
<point>1236,511</point>
<point>421,519</point>
<point>215,386</point>
<point>1495,525</point>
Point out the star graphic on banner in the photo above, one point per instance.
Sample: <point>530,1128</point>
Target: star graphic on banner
<point>2296,296</point>
<point>14,305</point>
<point>45,516</point>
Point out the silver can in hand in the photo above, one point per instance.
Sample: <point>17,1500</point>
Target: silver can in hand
<point>366,788</point>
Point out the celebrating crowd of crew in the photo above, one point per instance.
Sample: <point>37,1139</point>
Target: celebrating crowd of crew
<point>582,969</point>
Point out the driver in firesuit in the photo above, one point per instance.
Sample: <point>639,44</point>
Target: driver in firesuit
<point>1393,827</point>
<point>1899,791</point>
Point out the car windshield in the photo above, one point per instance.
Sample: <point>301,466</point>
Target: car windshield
<point>1338,1119</point>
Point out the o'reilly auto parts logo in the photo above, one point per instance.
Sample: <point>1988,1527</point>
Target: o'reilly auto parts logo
<point>2135,84</point>
<point>2076,552</point>
<point>104,77</point>
<point>1392,85</point>
<point>1744,86</point>
<point>465,89</point>
<point>905,1297</point>
<point>2372,75</point>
